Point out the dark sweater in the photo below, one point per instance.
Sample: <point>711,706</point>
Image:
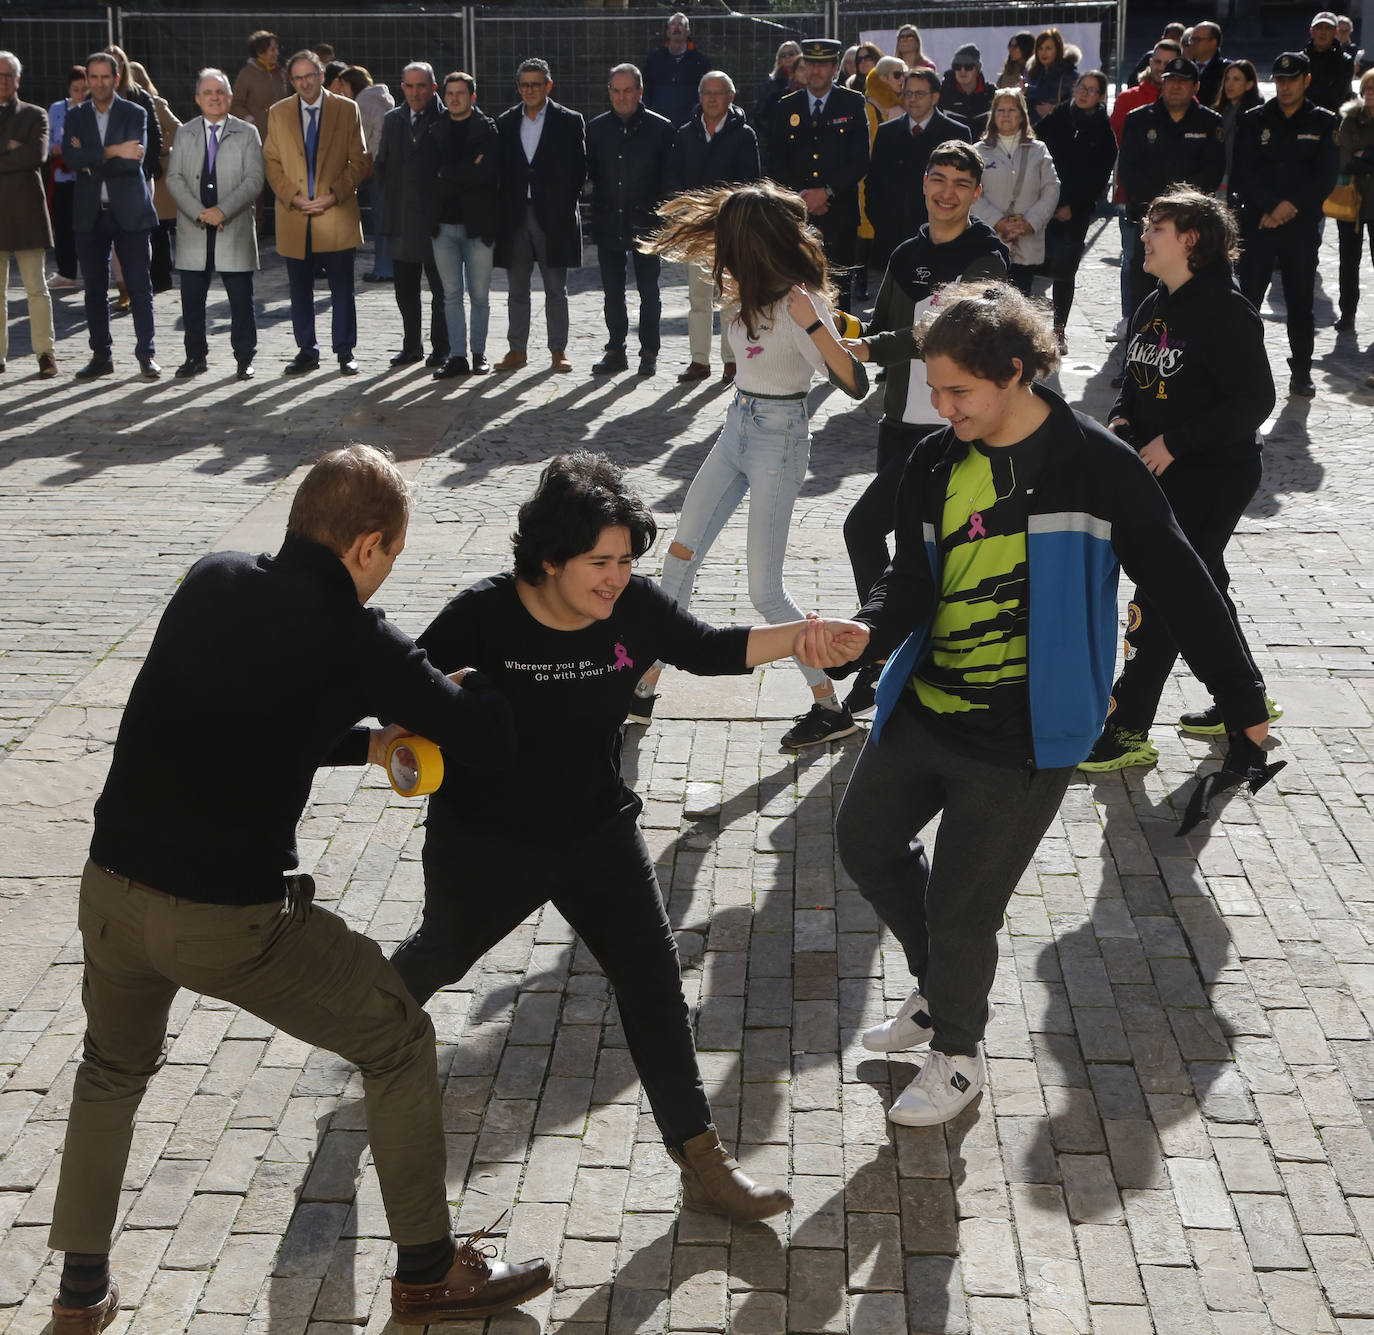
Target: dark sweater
<point>570,691</point>
<point>260,668</point>
<point>1083,148</point>
<point>1196,371</point>
<point>469,167</point>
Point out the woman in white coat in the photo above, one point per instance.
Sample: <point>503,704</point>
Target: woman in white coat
<point>1020,185</point>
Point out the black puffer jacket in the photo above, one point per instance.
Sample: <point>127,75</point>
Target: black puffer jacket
<point>625,164</point>
<point>730,155</point>
<point>1083,148</point>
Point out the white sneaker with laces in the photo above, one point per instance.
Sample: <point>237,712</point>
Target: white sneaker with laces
<point>909,1028</point>
<point>943,1088</point>
<point>1118,332</point>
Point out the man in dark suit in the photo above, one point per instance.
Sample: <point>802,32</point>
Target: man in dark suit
<point>104,141</point>
<point>818,146</point>
<point>407,164</point>
<point>896,174</point>
<point>1211,64</point>
<point>543,163</point>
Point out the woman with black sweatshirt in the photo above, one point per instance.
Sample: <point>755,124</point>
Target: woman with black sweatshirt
<point>1197,388</point>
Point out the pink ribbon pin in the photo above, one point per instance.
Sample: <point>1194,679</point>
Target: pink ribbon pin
<point>975,528</point>
<point>622,658</point>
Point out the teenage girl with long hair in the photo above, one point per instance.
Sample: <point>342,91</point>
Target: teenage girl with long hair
<point>768,265</point>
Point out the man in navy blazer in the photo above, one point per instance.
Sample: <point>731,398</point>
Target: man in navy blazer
<point>103,142</point>
<point>543,163</point>
<point>896,197</point>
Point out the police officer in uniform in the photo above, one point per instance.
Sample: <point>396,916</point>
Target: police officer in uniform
<point>818,146</point>
<point>1173,140</point>
<point>1284,167</point>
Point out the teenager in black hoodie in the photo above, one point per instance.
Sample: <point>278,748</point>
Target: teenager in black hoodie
<point>1197,388</point>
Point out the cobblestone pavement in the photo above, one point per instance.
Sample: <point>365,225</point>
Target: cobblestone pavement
<point>1177,1132</point>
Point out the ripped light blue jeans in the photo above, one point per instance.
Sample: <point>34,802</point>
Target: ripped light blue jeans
<point>762,449</point>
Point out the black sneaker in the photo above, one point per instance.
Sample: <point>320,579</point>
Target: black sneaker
<point>1209,722</point>
<point>642,710</point>
<point>819,724</point>
<point>863,694</point>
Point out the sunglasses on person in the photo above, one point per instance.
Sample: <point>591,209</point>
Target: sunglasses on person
<point>959,66</point>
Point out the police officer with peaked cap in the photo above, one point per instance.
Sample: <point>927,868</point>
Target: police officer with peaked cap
<point>818,146</point>
<point>1173,139</point>
<point>1283,168</point>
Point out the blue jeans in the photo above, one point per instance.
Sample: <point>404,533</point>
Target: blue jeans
<point>763,449</point>
<point>455,254</point>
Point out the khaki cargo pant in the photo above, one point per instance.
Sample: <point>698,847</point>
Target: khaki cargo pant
<point>303,971</point>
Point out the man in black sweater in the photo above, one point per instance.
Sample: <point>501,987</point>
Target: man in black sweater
<point>267,664</point>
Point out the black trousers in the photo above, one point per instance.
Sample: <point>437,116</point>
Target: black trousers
<point>63,238</point>
<point>407,279</point>
<point>1208,504</point>
<point>160,262</point>
<point>1351,237</point>
<point>93,249</point>
<point>1064,244</point>
<point>946,909</point>
<point>195,288</point>
<point>839,231</point>
<point>872,517</point>
<point>480,885</point>
<point>1292,249</point>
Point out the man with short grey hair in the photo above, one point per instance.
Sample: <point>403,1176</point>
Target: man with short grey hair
<point>717,146</point>
<point>407,167</point>
<point>673,72</point>
<point>215,173</point>
<point>627,148</point>
<point>25,229</point>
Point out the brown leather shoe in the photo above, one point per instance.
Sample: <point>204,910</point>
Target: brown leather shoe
<point>47,366</point>
<point>713,1181</point>
<point>727,375</point>
<point>560,360</point>
<point>86,1320</point>
<point>476,1286</point>
<point>512,361</point>
<point>694,371</point>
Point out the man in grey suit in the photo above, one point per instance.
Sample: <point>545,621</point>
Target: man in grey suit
<point>103,142</point>
<point>215,174</point>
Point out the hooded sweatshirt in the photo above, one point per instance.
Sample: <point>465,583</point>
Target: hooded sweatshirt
<point>1196,371</point>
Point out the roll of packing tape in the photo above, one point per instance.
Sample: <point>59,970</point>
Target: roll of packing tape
<point>415,766</point>
<point>851,327</point>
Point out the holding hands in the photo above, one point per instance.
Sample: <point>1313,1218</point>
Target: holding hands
<point>826,644</point>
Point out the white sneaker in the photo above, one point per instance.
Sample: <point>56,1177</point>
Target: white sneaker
<point>943,1088</point>
<point>909,1028</point>
<point>1118,331</point>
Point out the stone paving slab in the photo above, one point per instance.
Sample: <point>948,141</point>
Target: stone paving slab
<point>1176,1135</point>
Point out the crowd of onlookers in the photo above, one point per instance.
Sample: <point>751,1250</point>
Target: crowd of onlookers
<point>304,149</point>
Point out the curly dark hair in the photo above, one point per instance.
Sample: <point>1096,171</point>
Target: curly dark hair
<point>982,327</point>
<point>579,494</point>
<point>1191,211</point>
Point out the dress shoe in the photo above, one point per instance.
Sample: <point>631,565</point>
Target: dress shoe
<point>477,1285</point>
<point>512,361</point>
<point>245,371</point>
<point>694,371</point>
<point>95,367</point>
<point>347,366</point>
<point>149,369</point>
<point>191,366</point>
<point>558,359</point>
<point>613,360</point>
<point>86,1320</point>
<point>302,363</point>
<point>452,368</point>
<point>47,366</point>
<point>647,365</point>
<point>727,373</point>
<point>1301,386</point>
<point>480,365</point>
<point>408,357</point>
<point>436,358</point>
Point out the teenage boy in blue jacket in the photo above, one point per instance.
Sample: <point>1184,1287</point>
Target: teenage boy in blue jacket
<point>998,622</point>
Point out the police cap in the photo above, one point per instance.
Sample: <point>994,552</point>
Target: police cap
<point>1291,65</point>
<point>821,48</point>
<point>1180,67</point>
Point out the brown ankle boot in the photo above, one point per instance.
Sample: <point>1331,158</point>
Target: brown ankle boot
<point>713,1181</point>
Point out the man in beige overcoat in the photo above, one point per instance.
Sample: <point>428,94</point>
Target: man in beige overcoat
<point>315,158</point>
<point>25,229</point>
